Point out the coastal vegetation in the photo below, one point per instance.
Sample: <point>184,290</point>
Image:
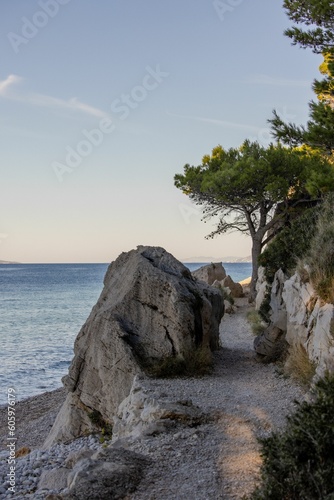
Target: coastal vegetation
<point>259,190</point>
<point>298,462</point>
<point>253,189</point>
<point>306,244</point>
<point>299,366</point>
<point>197,363</point>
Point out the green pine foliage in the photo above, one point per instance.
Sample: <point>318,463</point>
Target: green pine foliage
<point>242,188</point>
<point>290,245</point>
<point>316,19</point>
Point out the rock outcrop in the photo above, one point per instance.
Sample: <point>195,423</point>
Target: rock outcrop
<point>150,308</point>
<point>101,475</point>
<point>261,288</point>
<point>143,414</point>
<point>210,273</point>
<point>215,274</point>
<point>236,289</point>
<point>299,318</point>
<point>109,473</point>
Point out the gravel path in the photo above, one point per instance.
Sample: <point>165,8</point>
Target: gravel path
<point>218,459</point>
<point>245,398</point>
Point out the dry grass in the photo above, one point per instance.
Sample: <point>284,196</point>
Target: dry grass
<point>321,255</point>
<point>299,366</point>
<point>256,322</point>
<point>22,452</point>
<point>198,362</point>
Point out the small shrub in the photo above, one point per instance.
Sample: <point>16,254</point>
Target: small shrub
<point>299,366</point>
<point>198,362</point>
<point>298,462</point>
<point>99,422</point>
<point>265,309</point>
<point>256,322</point>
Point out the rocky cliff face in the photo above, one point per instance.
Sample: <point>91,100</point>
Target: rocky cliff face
<point>150,308</point>
<point>298,317</point>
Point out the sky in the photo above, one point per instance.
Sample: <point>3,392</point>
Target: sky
<point>103,102</point>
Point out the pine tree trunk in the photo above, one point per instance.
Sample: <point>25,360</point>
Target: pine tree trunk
<point>256,251</point>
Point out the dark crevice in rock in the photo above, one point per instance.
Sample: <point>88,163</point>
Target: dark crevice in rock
<point>170,340</point>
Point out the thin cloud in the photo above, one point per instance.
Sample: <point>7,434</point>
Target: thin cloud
<point>46,101</point>
<point>279,82</point>
<point>221,123</point>
<point>5,84</point>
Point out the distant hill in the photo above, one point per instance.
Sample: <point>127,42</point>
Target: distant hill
<point>237,260</point>
<point>8,262</point>
<point>229,259</point>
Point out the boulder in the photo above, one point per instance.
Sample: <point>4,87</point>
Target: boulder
<point>229,308</point>
<point>271,344</point>
<point>54,479</point>
<point>210,273</point>
<point>109,473</point>
<point>142,413</point>
<point>150,308</point>
<point>235,288</point>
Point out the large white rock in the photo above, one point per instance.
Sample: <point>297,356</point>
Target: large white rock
<point>142,413</point>
<point>277,303</point>
<point>305,320</point>
<point>320,344</point>
<point>150,308</point>
<point>261,288</point>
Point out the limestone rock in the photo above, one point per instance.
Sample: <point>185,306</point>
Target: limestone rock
<point>229,308</point>
<point>261,288</point>
<point>75,456</point>
<point>210,273</point>
<point>109,473</point>
<point>278,315</point>
<point>54,479</point>
<point>298,317</point>
<point>150,308</point>
<point>271,344</point>
<point>143,414</point>
<point>236,289</point>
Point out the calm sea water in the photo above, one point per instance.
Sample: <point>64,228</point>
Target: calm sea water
<point>42,308</point>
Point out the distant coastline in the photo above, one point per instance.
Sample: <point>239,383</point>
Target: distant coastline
<point>229,259</point>
<point>8,262</point>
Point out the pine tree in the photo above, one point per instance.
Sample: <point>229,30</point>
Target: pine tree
<point>316,13</point>
<point>319,131</point>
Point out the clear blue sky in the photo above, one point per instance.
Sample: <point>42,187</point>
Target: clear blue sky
<point>137,89</point>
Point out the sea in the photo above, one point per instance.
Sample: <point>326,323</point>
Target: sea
<point>42,308</point>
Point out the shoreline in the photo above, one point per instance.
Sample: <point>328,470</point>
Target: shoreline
<point>34,417</point>
<point>27,399</point>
